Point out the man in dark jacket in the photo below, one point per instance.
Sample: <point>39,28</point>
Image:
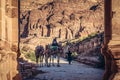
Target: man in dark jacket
<point>69,57</point>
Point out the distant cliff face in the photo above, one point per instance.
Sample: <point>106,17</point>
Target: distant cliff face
<point>66,19</point>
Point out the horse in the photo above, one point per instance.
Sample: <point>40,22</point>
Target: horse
<point>50,54</point>
<point>59,54</point>
<point>39,53</point>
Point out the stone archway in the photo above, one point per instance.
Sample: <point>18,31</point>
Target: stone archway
<point>9,36</point>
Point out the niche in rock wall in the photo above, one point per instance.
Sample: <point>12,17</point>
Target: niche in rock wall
<point>48,30</point>
<point>6,33</point>
<point>60,33</point>
<point>42,31</point>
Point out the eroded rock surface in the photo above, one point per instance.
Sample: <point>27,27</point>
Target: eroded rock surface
<point>8,64</point>
<point>65,19</point>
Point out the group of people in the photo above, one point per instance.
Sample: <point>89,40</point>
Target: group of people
<point>54,49</point>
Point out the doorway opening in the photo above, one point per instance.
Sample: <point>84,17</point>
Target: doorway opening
<point>81,26</point>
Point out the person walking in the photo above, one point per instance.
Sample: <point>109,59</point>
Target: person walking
<point>69,57</point>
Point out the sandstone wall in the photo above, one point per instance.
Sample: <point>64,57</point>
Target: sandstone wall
<point>8,63</point>
<point>111,51</point>
<point>65,19</point>
<point>0,21</point>
<point>111,46</point>
<point>9,21</point>
<point>9,40</point>
<point>88,51</point>
<point>114,44</point>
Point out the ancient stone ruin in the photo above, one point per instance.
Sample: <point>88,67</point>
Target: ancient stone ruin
<point>41,21</point>
<point>9,38</point>
<point>65,19</point>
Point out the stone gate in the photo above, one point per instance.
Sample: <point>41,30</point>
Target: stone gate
<point>9,40</point>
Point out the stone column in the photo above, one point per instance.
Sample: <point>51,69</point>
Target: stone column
<point>0,21</point>
<point>12,20</point>
<point>3,37</point>
<point>111,46</point>
<point>114,44</point>
<point>9,21</point>
<point>107,35</point>
<point>9,40</point>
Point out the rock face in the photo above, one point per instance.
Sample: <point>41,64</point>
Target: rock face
<point>8,62</point>
<point>65,19</point>
<point>9,40</point>
<point>89,51</point>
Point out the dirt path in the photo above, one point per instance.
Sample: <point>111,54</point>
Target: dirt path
<point>76,71</point>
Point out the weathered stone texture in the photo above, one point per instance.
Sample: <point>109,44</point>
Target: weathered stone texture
<point>0,4</point>
<point>116,17</point>
<point>0,30</point>
<point>9,22</point>
<point>14,3</point>
<point>8,64</point>
<point>0,14</point>
<point>8,40</point>
<point>12,12</point>
<point>0,22</point>
<point>15,30</point>
<point>61,19</point>
<point>111,47</point>
<point>114,44</point>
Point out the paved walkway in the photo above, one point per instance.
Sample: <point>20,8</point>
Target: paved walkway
<point>75,71</point>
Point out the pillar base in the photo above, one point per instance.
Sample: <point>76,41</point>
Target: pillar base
<point>114,47</point>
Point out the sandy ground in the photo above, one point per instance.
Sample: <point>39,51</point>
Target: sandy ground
<point>75,71</point>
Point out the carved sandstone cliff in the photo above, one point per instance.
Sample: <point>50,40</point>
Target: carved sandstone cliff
<point>65,19</point>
